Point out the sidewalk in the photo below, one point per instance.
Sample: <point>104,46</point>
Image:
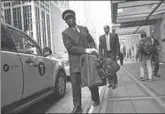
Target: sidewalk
<point>133,95</point>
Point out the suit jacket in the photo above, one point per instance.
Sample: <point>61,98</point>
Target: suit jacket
<point>114,45</point>
<point>75,50</point>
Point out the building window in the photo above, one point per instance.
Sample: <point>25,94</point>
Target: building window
<point>8,16</point>
<point>47,6</point>
<point>17,17</point>
<point>7,4</point>
<point>42,4</point>
<point>43,29</point>
<point>38,28</point>
<point>25,1</point>
<point>27,16</point>
<point>56,2</point>
<point>36,2</point>
<point>16,2</point>
<point>48,31</point>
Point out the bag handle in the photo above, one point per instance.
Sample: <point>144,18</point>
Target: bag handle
<point>96,54</point>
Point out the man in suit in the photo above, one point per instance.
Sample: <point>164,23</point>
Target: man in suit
<point>78,41</point>
<point>109,47</point>
<point>157,49</point>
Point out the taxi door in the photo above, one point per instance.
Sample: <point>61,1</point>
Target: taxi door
<point>11,70</point>
<point>33,64</point>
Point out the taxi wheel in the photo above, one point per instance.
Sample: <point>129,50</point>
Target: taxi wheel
<point>60,85</point>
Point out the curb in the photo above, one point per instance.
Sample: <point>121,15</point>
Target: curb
<point>96,109</point>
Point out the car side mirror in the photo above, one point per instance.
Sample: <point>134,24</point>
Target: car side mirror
<point>47,51</point>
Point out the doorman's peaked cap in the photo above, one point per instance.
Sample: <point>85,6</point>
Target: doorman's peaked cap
<point>67,13</point>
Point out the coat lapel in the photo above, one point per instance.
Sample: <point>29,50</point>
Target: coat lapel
<point>72,33</point>
<point>81,32</point>
<point>110,39</point>
<point>105,41</point>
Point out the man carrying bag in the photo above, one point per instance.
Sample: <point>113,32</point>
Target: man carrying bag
<point>76,40</point>
<point>109,47</point>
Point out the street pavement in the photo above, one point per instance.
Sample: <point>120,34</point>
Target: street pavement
<point>130,96</point>
<point>133,95</point>
<point>64,105</point>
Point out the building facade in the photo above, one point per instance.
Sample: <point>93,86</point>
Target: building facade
<point>128,45</point>
<point>89,21</point>
<point>133,21</point>
<point>58,24</point>
<point>2,12</point>
<point>84,16</point>
<point>34,18</point>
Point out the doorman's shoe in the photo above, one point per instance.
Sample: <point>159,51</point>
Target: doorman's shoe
<point>142,78</point>
<point>77,110</point>
<point>110,85</point>
<point>157,75</point>
<point>114,86</point>
<point>96,103</point>
<point>150,80</point>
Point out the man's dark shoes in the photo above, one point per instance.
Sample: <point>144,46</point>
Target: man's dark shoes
<point>157,75</point>
<point>96,103</point>
<point>114,86</point>
<point>77,110</point>
<point>142,78</point>
<point>110,85</point>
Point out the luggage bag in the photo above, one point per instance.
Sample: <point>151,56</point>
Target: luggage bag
<point>89,72</point>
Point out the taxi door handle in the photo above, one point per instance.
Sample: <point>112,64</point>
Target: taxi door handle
<point>30,62</point>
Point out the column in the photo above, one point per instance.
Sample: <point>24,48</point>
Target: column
<point>34,21</point>
<point>162,36</point>
<point>50,12</point>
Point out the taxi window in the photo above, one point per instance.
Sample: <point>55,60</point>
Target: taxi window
<point>24,44</point>
<point>7,43</point>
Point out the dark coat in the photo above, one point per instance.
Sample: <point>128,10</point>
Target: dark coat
<point>114,45</point>
<point>121,56</point>
<point>155,47</point>
<point>75,50</point>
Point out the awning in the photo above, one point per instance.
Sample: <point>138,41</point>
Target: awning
<point>129,17</point>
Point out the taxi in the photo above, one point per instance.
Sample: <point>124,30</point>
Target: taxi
<point>28,73</point>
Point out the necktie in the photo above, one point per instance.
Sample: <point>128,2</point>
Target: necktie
<point>75,29</point>
<point>78,37</point>
<point>108,44</point>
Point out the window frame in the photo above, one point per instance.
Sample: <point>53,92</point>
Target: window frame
<point>10,38</point>
<point>29,38</point>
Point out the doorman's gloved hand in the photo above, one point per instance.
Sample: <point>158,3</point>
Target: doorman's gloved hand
<point>88,50</point>
<point>117,58</point>
<point>94,50</point>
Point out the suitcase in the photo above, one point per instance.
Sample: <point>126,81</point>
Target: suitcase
<point>89,72</point>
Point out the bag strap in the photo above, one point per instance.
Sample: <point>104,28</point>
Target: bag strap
<point>82,60</point>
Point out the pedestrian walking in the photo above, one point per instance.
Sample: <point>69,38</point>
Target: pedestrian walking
<point>109,47</point>
<point>78,41</point>
<point>156,50</point>
<point>144,54</point>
